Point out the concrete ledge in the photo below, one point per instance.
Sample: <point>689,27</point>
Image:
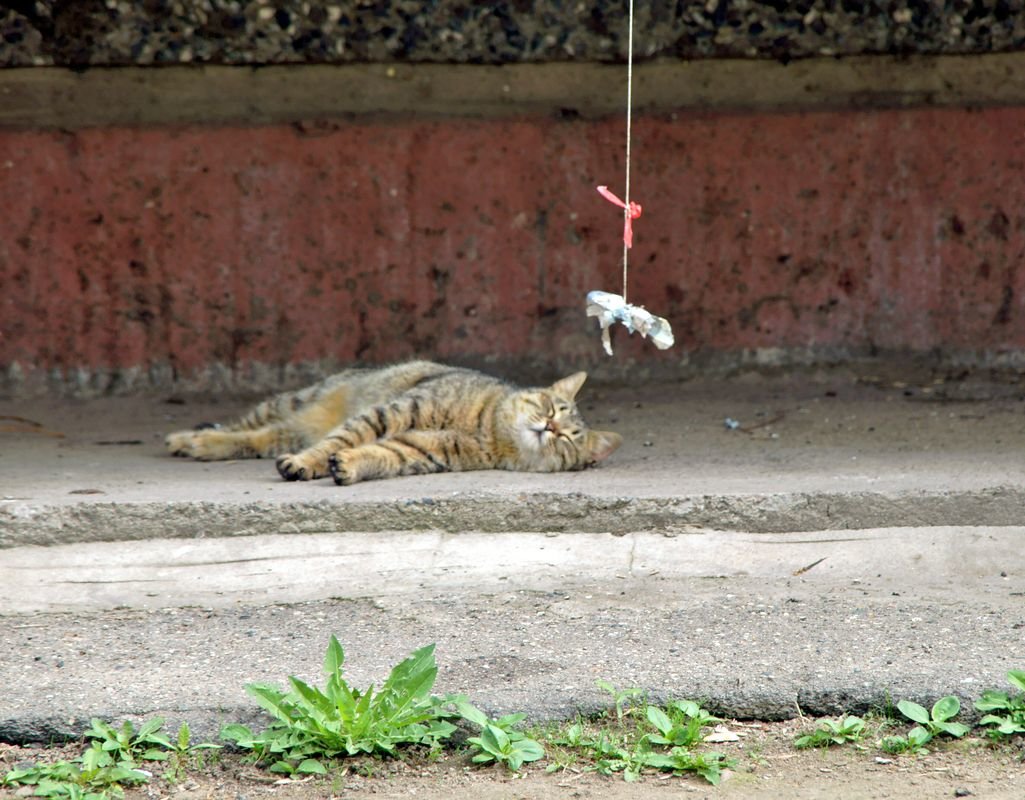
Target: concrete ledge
<point>24,524</point>
<point>829,453</point>
<point>61,98</point>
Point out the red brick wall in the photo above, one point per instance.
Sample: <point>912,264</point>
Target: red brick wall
<point>373,241</point>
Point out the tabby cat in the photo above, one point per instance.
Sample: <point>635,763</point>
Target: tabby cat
<point>408,419</point>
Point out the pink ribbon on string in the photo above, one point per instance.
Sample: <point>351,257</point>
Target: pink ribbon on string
<point>633,211</point>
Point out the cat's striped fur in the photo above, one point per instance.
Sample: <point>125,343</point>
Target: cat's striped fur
<point>408,419</point>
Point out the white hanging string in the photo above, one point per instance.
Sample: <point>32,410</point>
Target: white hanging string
<point>611,308</point>
<point>629,106</point>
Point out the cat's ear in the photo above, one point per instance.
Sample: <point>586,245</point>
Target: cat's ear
<point>602,444</point>
<point>567,388</point>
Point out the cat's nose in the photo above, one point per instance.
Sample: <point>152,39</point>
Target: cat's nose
<point>551,426</point>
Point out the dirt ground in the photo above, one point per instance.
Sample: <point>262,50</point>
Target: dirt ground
<point>766,766</point>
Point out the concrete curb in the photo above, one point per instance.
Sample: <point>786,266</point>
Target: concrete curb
<point>30,524</point>
<point>748,647</point>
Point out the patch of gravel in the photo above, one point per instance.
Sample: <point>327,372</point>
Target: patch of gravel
<point>118,32</point>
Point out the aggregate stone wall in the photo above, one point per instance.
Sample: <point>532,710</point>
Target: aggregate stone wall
<point>118,32</point>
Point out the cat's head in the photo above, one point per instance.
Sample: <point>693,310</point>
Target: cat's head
<point>551,435</point>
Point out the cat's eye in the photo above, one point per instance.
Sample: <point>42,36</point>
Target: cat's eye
<point>537,405</point>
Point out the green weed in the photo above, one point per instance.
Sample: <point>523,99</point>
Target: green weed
<point>931,723</point>
<point>847,730</point>
<point>914,743</point>
<point>1007,712</point>
<point>657,738</point>
<point>182,754</point>
<point>128,745</point>
<point>500,741</point>
<point>681,724</point>
<point>110,762</point>
<point>622,698</point>
<point>92,776</point>
<point>937,720</point>
<point>312,725</point>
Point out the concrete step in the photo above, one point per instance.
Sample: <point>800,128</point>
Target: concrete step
<point>755,625</point>
<point>851,544</point>
<point>829,451</point>
<point>290,568</point>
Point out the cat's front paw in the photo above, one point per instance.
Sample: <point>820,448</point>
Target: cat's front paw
<point>299,467</point>
<point>290,469</point>
<point>343,476</point>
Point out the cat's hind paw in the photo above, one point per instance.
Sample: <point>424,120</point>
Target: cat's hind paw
<point>180,443</point>
<point>342,475</point>
<point>206,444</point>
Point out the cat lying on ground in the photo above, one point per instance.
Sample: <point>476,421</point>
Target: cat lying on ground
<point>408,419</point>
